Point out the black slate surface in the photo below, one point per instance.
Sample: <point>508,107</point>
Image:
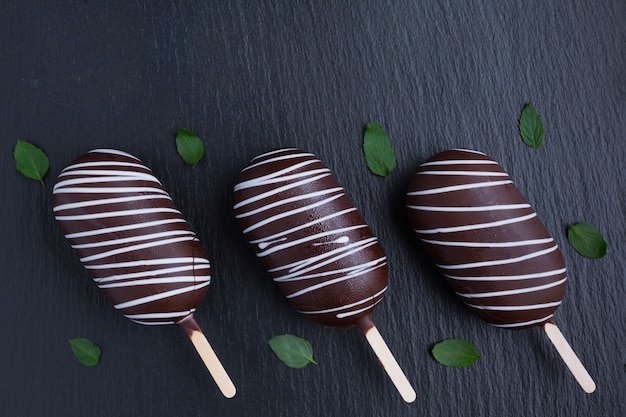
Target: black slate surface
<point>251,76</point>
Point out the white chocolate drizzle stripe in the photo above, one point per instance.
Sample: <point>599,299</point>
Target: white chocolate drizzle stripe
<point>152,273</point>
<point>282,150</point>
<point>303,226</point>
<point>339,241</point>
<point>150,262</point>
<point>332,281</point>
<point>137,238</point>
<point>469,151</point>
<point>279,190</point>
<point>155,281</point>
<point>154,323</point>
<point>124,228</point>
<point>113,152</point>
<point>477,226</point>
<point>135,248</point>
<point>105,173</point>
<point>353,271</point>
<point>512,292</point>
<point>67,170</point>
<point>113,179</point>
<point>470,209</point>
<point>349,270</point>
<point>109,190</point>
<point>347,306</point>
<point>308,238</point>
<point>459,162</point>
<point>160,296</point>
<point>315,260</point>
<point>274,178</point>
<point>264,245</point>
<point>289,200</point>
<point>277,158</point>
<point>460,187</point>
<point>275,174</point>
<point>355,312</point>
<point>465,173</point>
<point>489,244</point>
<point>500,261</point>
<point>515,308</point>
<point>508,277</point>
<point>159,315</point>
<point>105,201</point>
<point>525,323</point>
<point>304,266</point>
<point>121,213</point>
<point>88,175</point>
<point>290,213</point>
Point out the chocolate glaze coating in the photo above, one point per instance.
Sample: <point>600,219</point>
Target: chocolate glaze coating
<point>311,238</point>
<point>486,239</point>
<point>127,232</point>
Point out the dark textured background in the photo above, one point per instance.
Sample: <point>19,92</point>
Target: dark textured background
<point>248,76</point>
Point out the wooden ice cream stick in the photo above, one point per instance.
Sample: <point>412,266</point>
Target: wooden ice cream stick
<point>209,357</point>
<point>389,363</point>
<point>570,358</point>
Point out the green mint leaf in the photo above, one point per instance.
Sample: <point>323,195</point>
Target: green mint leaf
<point>379,154</point>
<point>294,351</point>
<point>531,127</point>
<point>456,352</point>
<point>189,146</point>
<point>587,240</point>
<point>31,161</point>
<point>86,351</point>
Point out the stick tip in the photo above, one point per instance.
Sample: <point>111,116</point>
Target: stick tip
<point>229,391</point>
<point>588,386</point>
<point>409,396</point>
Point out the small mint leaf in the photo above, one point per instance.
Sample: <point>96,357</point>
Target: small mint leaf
<point>587,240</point>
<point>379,154</point>
<point>531,127</point>
<point>294,351</point>
<point>31,161</point>
<point>86,351</point>
<point>456,352</point>
<point>189,146</point>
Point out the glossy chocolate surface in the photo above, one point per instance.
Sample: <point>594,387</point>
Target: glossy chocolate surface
<point>310,237</point>
<point>127,232</point>
<point>486,239</point>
